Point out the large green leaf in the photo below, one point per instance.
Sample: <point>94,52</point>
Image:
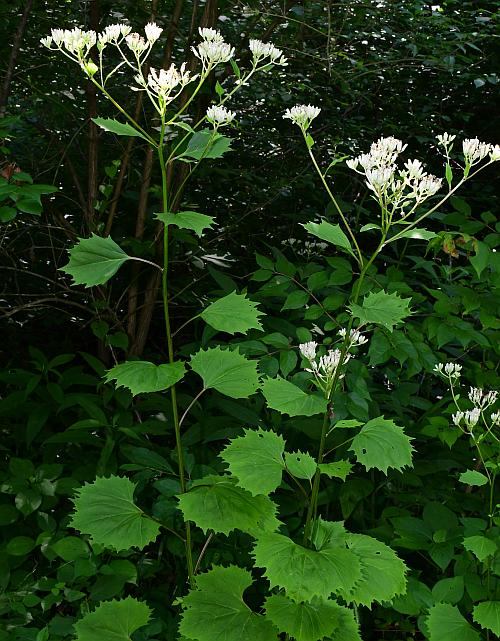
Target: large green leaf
<point>217,503</point>
<point>206,144</point>
<point>215,610</point>
<point>331,233</point>
<point>94,260</point>
<point>300,465</point>
<point>487,614</point>
<point>287,398</point>
<point>256,459</point>
<point>480,546</point>
<point>473,477</point>
<point>105,509</point>
<point>113,621</point>
<point>307,621</point>
<point>380,308</point>
<point>187,220</point>
<point>382,444</point>
<point>232,313</point>
<point>141,377</point>
<point>382,571</point>
<point>349,627</point>
<point>445,623</point>
<point>305,573</point>
<point>337,470</point>
<point>227,371</point>
<point>118,128</point>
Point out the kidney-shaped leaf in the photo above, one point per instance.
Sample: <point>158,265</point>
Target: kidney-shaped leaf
<point>217,503</point>
<point>232,313</point>
<point>227,371</point>
<point>256,460</point>
<point>94,260</point>
<point>287,398</point>
<point>215,609</point>
<point>105,509</point>
<point>141,377</point>
<point>113,621</point>
<point>382,444</point>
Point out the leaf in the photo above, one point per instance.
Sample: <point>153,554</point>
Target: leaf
<point>227,371</point>
<point>141,377</point>
<point>487,614</point>
<point>217,503</point>
<point>215,610</point>
<point>206,144</point>
<point>445,623</point>
<point>449,590</point>
<point>300,465</point>
<point>118,128</point>
<point>256,459</point>
<point>382,571</point>
<point>480,546</point>
<point>331,233</point>
<point>337,470</point>
<point>233,313</point>
<point>382,444</point>
<point>187,220</point>
<point>380,308</point>
<point>305,573</point>
<point>113,621</point>
<point>94,260</point>
<point>422,234</point>
<point>287,398</point>
<point>309,621</point>
<point>105,509</point>
<point>473,477</point>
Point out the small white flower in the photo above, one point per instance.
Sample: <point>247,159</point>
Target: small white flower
<point>219,116</point>
<point>302,115</point>
<point>474,150</point>
<point>353,163</point>
<point>210,35</point>
<point>450,370</point>
<point>495,418</point>
<point>46,42</point>
<point>472,417</point>
<point>308,350</point>
<point>136,43</point>
<point>355,337</point>
<point>480,399</point>
<point>58,36</point>
<point>457,418</point>
<point>495,153</point>
<point>113,33</point>
<point>445,139</point>
<point>213,52</point>
<point>153,32</point>
<point>262,50</point>
<point>414,169</point>
<point>329,363</point>
<point>162,82</point>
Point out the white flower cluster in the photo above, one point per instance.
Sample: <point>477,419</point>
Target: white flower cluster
<point>302,115</point>
<point>355,337</point>
<point>445,140</point>
<point>212,50</point>
<point>474,150</point>
<point>113,34</point>
<point>162,82</point>
<point>450,370</point>
<point>469,417</point>
<point>396,189</point>
<point>482,400</point>
<point>219,116</point>
<point>75,42</point>
<point>325,368</point>
<point>263,50</point>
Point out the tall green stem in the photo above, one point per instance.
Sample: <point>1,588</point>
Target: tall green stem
<point>170,348</point>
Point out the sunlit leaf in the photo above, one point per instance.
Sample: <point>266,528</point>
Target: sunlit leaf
<point>300,465</point>
<point>306,621</point>
<point>142,376</point>
<point>337,470</point>
<point>113,621</point>
<point>118,128</point>
<point>380,308</point>
<point>105,510</point>
<point>227,371</point>
<point>94,260</point>
<point>331,233</point>
<point>215,609</point>
<point>232,313</point>
<point>287,398</point>
<point>187,220</point>
<point>256,460</point>
<point>446,623</point>
<point>382,444</point>
<point>487,614</point>
<point>480,546</point>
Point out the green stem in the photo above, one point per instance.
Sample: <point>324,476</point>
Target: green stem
<point>170,347</point>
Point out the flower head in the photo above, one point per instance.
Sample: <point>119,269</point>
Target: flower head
<point>219,116</point>
<point>153,32</point>
<point>481,399</point>
<point>355,337</point>
<point>450,370</point>
<point>474,150</point>
<point>136,43</point>
<point>445,139</point>
<point>308,350</point>
<point>262,50</point>
<point>163,81</point>
<point>210,35</point>
<point>495,153</point>
<point>213,51</point>
<point>113,33</point>
<point>495,418</point>
<point>302,115</point>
